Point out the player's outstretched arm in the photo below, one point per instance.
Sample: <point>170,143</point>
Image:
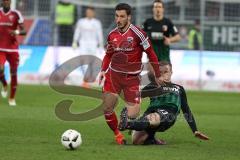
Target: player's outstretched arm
<point>200,135</point>
<point>189,116</point>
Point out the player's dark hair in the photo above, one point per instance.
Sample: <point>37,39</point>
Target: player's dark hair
<point>164,63</point>
<point>90,7</point>
<point>158,1</point>
<point>124,6</point>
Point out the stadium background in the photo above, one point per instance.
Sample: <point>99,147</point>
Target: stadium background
<point>215,67</point>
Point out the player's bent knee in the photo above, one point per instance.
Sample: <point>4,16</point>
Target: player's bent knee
<point>133,110</point>
<point>109,102</point>
<point>13,71</point>
<point>1,69</point>
<point>138,137</point>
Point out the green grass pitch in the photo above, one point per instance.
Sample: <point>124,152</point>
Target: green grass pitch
<point>31,131</point>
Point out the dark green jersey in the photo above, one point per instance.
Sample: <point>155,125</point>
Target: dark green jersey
<point>170,99</point>
<point>156,30</point>
<point>172,96</point>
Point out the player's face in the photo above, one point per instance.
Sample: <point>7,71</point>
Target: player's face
<point>6,3</point>
<point>90,13</point>
<point>158,9</point>
<point>166,73</point>
<point>122,19</point>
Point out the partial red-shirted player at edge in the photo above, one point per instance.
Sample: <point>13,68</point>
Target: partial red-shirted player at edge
<point>122,66</point>
<point>11,25</point>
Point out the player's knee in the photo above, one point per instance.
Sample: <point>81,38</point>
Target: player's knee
<point>109,102</point>
<point>138,139</point>
<point>1,69</point>
<point>133,110</point>
<point>13,71</point>
<point>137,142</point>
<point>154,119</point>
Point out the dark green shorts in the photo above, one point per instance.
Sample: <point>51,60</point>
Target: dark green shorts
<point>167,115</point>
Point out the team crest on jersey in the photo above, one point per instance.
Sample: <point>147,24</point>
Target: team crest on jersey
<point>129,39</point>
<point>164,28</point>
<point>11,17</point>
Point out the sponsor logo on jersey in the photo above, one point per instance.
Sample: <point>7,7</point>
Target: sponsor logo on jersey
<point>5,24</point>
<point>157,35</point>
<point>11,17</point>
<point>172,89</point>
<point>164,28</point>
<point>130,39</point>
<point>149,27</point>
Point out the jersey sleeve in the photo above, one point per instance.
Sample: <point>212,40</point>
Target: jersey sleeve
<point>108,55</point>
<point>152,90</point>
<point>99,34</point>
<point>77,32</point>
<point>20,17</point>
<point>172,28</point>
<point>186,111</point>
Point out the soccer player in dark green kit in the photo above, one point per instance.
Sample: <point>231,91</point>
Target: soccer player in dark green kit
<point>161,114</point>
<point>161,31</point>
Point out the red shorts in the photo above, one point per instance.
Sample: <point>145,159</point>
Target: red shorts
<point>115,82</point>
<point>11,57</point>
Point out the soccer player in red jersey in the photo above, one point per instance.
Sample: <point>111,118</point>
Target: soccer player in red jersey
<point>122,65</point>
<point>11,25</point>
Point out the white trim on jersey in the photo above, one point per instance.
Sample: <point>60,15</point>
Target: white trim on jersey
<point>21,19</point>
<point>136,72</point>
<point>8,50</point>
<point>112,31</point>
<point>138,33</point>
<point>125,31</point>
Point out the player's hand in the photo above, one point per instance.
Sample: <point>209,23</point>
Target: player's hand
<point>101,77</point>
<point>74,45</point>
<point>201,135</point>
<point>14,32</point>
<point>167,41</point>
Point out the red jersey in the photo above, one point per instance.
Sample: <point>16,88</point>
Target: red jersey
<point>8,22</point>
<point>124,51</point>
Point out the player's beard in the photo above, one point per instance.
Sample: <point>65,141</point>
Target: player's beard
<point>122,26</point>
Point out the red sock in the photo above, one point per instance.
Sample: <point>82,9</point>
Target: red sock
<point>3,80</point>
<point>13,86</point>
<point>112,121</point>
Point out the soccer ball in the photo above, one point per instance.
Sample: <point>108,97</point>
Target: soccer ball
<point>71,139</point>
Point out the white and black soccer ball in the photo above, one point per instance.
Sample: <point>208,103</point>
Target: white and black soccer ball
<point>71,139</point>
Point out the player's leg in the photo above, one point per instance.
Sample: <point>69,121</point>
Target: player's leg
<point>83,68</point>
<point>144,129</point>
<point>139,137</point>
<point>132,99</point>
<point>151,120</point>
<point>110,99</point>
<point>92,69</point>
<point>2,76</point>
<point>13,59</point>
<point>109,102</point>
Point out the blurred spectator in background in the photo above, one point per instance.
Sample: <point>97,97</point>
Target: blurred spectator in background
<point>195,37</point>
<point>65,18</point>
<point>88,37</point>
<point>162,32</point>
